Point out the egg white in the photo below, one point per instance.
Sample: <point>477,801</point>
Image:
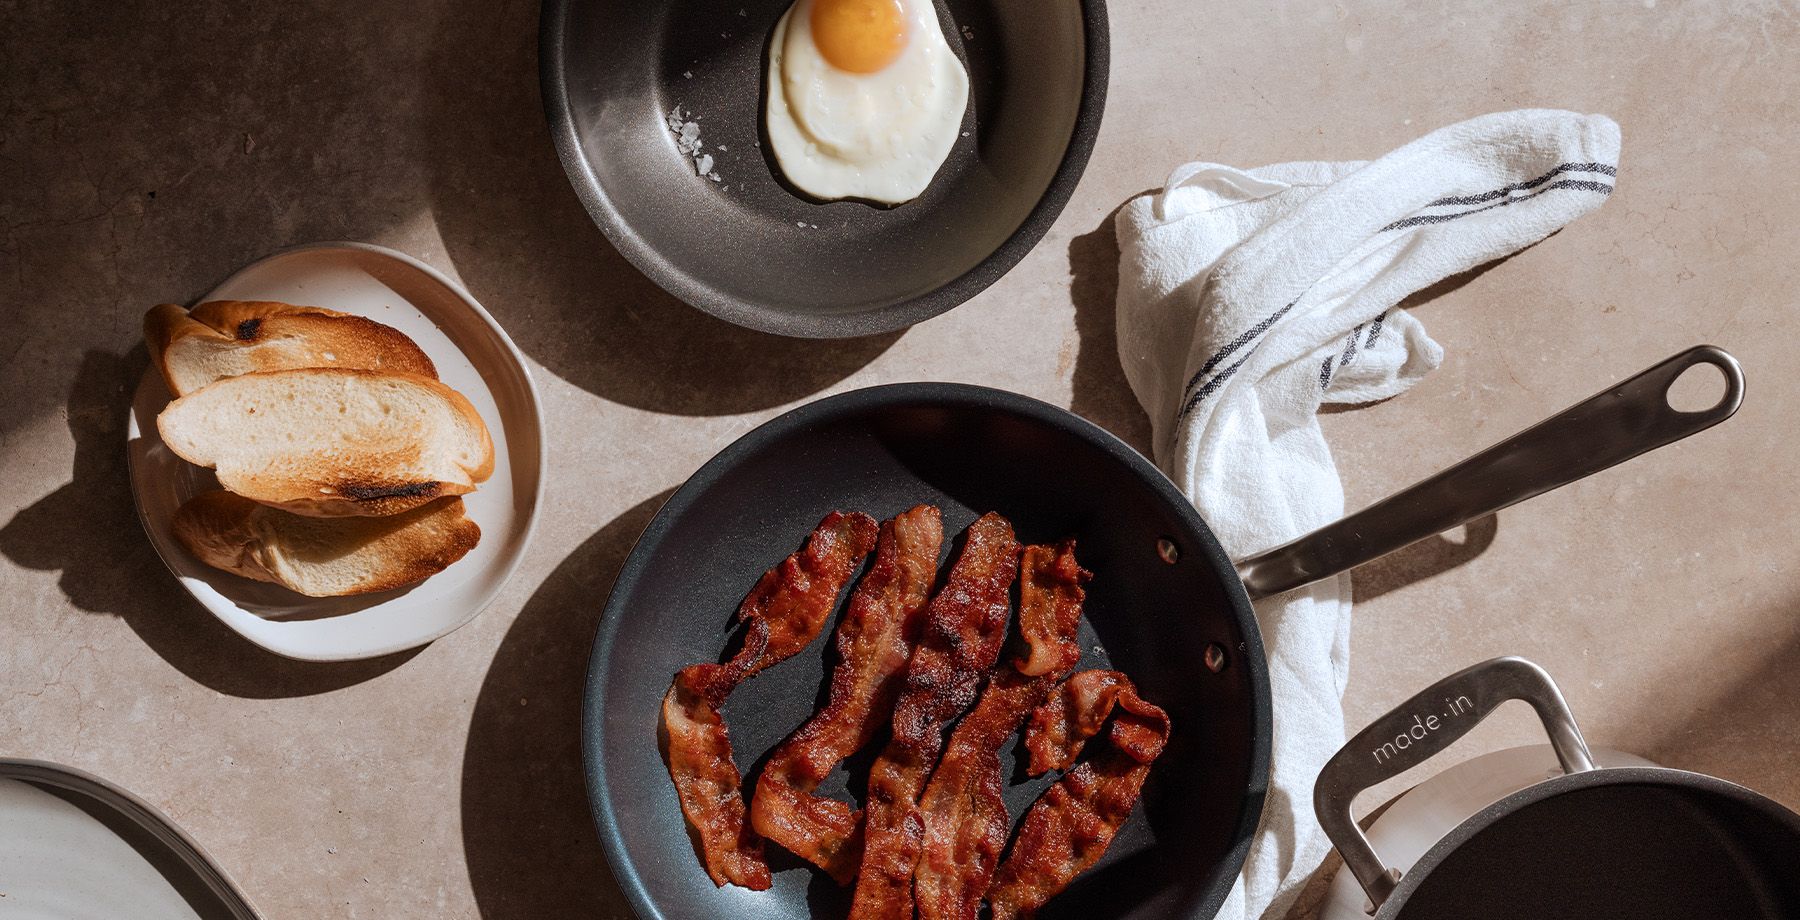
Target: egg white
<point>880,136</point>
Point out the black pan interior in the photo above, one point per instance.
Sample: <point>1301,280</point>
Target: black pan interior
<point>751,250</point>
<point>1623,851</point>
<point>968,450</point>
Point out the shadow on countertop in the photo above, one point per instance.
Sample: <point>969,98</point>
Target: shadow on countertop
<point>528,833</point>
<point>1425,559</point>
<point>88,530</point>
<point>1101,393</point>
<point>525,247</point>
<point>1739,729</point>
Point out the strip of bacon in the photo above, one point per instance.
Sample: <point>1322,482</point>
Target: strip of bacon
<point>783,614</point>
<point>964,628</point>
<point>964,815</point>
<point>1050,598</point>
<point>1077,712</point>
<point>1070,826</point>
<point>875,637</point>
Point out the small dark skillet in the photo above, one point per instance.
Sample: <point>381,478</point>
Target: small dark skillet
<point>752,250</point>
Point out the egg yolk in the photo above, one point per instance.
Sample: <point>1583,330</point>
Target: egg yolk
<point>860,36</point>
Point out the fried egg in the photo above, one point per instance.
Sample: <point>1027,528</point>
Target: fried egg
<point>865,98</point>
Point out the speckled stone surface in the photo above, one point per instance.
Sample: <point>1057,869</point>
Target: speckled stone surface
<point>148,149</point>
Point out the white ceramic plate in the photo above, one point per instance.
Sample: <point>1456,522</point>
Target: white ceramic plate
<point>472,354</point>
<point>75,846</point>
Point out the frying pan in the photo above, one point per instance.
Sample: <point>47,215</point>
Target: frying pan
<point>1635,842</point>
<point>74,845</point>
<point>752,250</point>
<point>1166,605</point>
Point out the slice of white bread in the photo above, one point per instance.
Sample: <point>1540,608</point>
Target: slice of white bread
<point>332,441</point>
<point>225,338</point>
<point>324,557</point>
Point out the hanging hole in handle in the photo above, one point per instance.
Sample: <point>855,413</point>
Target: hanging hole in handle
<point>1702,387</point>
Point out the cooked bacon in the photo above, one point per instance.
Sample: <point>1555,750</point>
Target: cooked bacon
<point>965,625</point>
<point>707,782</point>
<point>1069,828</point>
<point>964,817</point>
<point>875,637</point>
<point>783,613</point>
<point>1050,597</point>
<point>1077,712</point>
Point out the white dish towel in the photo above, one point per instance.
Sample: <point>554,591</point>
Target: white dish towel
<point>1247,298</point>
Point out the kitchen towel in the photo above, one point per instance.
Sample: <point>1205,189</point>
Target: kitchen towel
<point>1249,297</point>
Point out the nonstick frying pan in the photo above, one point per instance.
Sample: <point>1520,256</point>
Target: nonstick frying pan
<point>751,249</point>
<point>1166,605</point>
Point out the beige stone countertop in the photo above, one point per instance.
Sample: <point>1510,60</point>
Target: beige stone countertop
<point>148,149</point>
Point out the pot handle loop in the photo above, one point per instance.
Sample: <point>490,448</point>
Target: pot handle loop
<point>1623,421</point>
<point>1419,728</point>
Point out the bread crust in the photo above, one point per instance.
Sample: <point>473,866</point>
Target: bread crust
<point>266,335</point>
<point>233,533</point>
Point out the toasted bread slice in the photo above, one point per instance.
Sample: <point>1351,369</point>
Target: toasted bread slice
<point>225,338</point>
<point>332,441</point>
<point>324,557</point>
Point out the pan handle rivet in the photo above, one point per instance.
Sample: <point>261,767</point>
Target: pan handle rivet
<point>1214,657</point>
<point>1167,549</point>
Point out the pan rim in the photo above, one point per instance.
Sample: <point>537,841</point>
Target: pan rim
<point>1564,784</point>
<point>1251,654</point>
<point>768,316</point>
<point>123,804</point>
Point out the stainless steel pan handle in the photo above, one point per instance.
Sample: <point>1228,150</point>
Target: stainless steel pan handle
<point>1612,427</point>
<point>1421,727</point>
